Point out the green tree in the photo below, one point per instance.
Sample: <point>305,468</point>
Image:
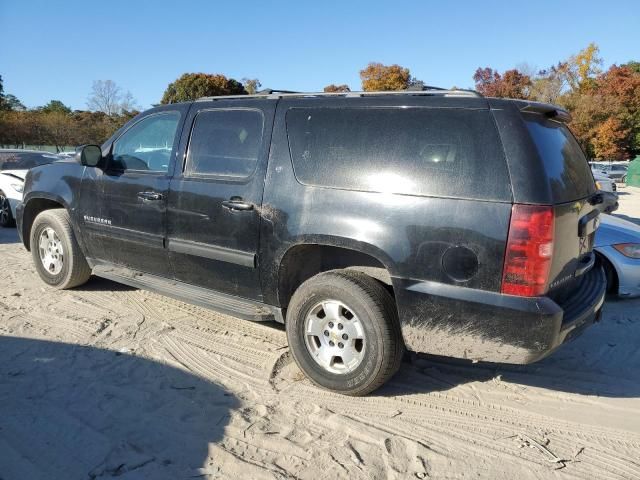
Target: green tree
<point>379,77</point>
<point>9,102</point>
<point>12,103</point>
<point>191,86</point>
<point>55,106</point>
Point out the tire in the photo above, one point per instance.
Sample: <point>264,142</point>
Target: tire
<point>364,306</point>
<point>66,264</point>
<point>6,216</point>
<point>610,274</point>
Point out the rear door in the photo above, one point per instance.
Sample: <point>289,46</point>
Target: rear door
<point>215,197</point>
<point>131,193</point>
<point>572,190</point>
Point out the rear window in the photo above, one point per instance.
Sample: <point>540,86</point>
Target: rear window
<point>25,160</point>
<point>566,167</point>
<point>419,151</point>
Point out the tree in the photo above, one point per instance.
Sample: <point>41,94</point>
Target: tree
<point>251,85</point>
<point>55,106</point>
<point>609,140</point>
<point>584,66</point>
<point>107,97</point>
<point>634,66</point>
<point>12,103</point>
<point>332,88</point>
<point>379,77</point>
<point>9,102</point>
<point>191,86</point>
<point>511,84</point>
<point>58,128</point>
<point>128,104</point>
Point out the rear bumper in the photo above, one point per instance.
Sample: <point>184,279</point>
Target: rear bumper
<point>486,326</point>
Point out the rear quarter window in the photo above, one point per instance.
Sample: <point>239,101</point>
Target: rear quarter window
<point>417,151</point>
<point>567,169</point>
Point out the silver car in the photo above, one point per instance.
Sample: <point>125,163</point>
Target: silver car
<point>617,245</point>
<point>616,171</point>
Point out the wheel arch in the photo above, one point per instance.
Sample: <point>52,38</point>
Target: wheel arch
<point>608,265</point>
<point>304,260</point>
<point>33,206</point>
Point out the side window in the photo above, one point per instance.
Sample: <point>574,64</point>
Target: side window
<point>225,143</point>
<point>418,151</point>
<point>147,145</point>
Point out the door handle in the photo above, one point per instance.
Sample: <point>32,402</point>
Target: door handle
<point>153,196</point>
<point>237,203</point>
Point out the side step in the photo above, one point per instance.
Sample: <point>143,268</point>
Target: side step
<point>220,302</point>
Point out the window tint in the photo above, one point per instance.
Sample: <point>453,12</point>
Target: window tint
<point>147,145</point>
<point>25,160</point>
<point>565,164</point>
<point>225,143</point>
<point>421,151</point>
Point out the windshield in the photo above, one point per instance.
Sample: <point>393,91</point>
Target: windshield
<point>25,160</point>
<point>565,164</point>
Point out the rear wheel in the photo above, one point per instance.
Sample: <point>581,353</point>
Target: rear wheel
<point>55,251</point>
<point>6,216</point>
<point>344,333</point>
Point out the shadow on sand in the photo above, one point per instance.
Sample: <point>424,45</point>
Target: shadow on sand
<point>79,412</point>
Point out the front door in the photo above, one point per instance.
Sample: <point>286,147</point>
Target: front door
<point>215,197</point>
<point>133,193</point>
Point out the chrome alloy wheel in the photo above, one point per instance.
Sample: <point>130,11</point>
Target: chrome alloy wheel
<point>334,337</point>
<point>51,252</point>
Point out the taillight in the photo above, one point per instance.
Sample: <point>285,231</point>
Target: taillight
<point>529,251</point>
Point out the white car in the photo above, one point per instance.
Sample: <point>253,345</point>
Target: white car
<point>14,165</point>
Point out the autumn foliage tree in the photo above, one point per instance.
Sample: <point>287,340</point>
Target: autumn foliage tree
<point>604,106</point>
<point>192,86</point>
<point>510,84</point>
<point>379,77</point>
<point>609,139</point>
<point>337,88</point>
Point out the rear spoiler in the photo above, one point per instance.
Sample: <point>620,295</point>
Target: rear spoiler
<point>548,110</point>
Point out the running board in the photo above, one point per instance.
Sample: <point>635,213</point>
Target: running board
<point>220,302</point>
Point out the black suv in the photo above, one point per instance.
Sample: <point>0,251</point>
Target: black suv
<point>437,221</point>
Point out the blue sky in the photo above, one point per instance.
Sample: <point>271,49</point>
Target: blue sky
<point>54,50</point>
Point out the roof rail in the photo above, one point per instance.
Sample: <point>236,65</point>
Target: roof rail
<point>271,91</point>
<point>276,94</point>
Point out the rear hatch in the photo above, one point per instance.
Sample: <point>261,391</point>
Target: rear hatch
<point>574,201</point>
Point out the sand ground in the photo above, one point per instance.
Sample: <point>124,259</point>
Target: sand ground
<point>106,381</point>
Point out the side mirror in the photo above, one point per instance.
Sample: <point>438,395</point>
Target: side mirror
<point>90,155</point>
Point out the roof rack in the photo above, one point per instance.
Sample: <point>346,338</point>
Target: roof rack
<point>276,94</point>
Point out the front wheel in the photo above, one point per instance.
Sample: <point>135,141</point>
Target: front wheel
<point>6,216</point>
<point>344,333</point>
<point>55,250</point>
